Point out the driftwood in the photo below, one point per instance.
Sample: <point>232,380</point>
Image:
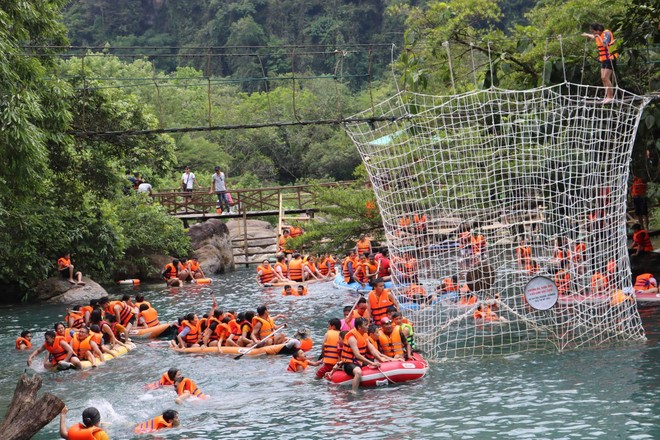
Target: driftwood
<point>27,413</point>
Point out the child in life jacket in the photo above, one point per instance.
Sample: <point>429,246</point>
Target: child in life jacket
<point>299,362</point>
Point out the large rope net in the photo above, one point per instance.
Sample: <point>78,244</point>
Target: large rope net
<point>485,191</point>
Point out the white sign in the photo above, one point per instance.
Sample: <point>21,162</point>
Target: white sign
<point>541,293</point>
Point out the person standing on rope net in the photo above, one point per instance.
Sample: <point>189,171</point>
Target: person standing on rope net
<point>558,167</point>
<point>604,39</point>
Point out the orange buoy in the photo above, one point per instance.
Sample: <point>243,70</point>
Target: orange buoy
<point>203,281</point>
<point>134,282</point>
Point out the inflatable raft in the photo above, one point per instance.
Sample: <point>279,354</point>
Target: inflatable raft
<point>278,283</point>
<point>151,332</point>
<point>389,373</point>
<point>118,352</point>
<point>647,299</point>
<point>339,283</point>
<point>407,303</point>
<point>267,350</point>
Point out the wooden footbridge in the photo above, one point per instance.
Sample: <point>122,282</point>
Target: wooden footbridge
<point>252,202</point>
<point>288,203</point>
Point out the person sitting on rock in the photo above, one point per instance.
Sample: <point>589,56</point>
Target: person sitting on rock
<point>65,268</point>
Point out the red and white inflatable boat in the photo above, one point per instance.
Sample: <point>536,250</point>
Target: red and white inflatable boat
<point>648,299</point>
<point>389,372</point>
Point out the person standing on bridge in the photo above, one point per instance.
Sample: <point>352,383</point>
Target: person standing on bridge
<point>218,185</point>
<point>188,180</point>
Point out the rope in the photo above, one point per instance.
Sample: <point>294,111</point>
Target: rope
<point>451,69</point>
<point>563,60</point>
<point>474,68</point>
<point>344,121</point>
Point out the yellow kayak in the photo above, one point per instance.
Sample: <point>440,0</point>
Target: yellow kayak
<point>267,350</point>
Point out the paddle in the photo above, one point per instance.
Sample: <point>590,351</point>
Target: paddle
<point>260,343</point>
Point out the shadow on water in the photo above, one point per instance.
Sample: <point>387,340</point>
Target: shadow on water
<point>605,393</point>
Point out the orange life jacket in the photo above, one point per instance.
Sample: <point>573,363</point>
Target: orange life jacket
<point>294,363</point>
<point>97,337</point>
<point>322,267</point>
<point>599,281</point>
<point>414,290</point>
<point>80,348</point>
<point>638,188</point>
<point>346,351</point>
<point>63,263</point>
<point>604,53</point>
<point>152,425</point>
<point>363,246</point>
<point>295,231</point>
<point>345,269</point>
<point>330,355</point>
<point>235,327</point>
<point>193,335</point>
<point>81,432</point>
<point>266,274</point>
<point>86,310</point>
<point>391,345</point>
<point>281,244</point>
<point>125,312</point>
<point>193,265</point>
<point>449,286</point>
<point>283,269</point>
<point>150,317</point>
<point>165,380</point>
<point>75,319</point>
<point>642,241</point>
<point>478,244</point>
<point>56,351</point>
<point>379,304</point>
<point>360,272</point>
<point>190,386</point>
<point>295,269</point>
<point>524,252</point>
<point>485,314</point>
<point>578,252</point>
<point>222,331</point>
<point>267,326</point>
<point>468,300</point>
<point>383,269</point>
<point>170,271</point>
<point>22,341</point>
<point>643,281</point>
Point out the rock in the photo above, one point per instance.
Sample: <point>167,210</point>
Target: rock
<point>261,240</point>
<point>212,244</point>
<point>59,290</point>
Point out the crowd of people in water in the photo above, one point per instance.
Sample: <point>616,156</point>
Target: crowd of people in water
<point>373,330</point>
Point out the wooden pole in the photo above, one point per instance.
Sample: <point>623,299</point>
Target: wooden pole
<point>27,414</point>
<point>281,213</point>
<point>245,238</point>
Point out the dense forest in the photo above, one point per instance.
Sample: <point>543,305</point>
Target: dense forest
<point>150,64</point>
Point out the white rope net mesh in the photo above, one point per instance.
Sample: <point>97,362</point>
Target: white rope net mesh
<point>543,169</point>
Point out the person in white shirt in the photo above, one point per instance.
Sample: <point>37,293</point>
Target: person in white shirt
<point>145,187</point>
<point>218,186</point>
<point>188,180</point>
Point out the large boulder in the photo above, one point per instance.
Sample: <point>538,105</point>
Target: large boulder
<point>212,246</point>
<point>59,290</point>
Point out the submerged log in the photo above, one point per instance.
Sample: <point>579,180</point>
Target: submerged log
<point>27,413</point>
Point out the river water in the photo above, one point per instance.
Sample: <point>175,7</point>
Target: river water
<point>598,393</point>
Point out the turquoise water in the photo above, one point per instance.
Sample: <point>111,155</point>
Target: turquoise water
<point>604,393</point>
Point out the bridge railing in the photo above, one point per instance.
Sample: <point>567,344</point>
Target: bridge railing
<point>267,200</point>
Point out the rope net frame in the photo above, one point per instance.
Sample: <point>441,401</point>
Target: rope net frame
<point>482,191</point>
